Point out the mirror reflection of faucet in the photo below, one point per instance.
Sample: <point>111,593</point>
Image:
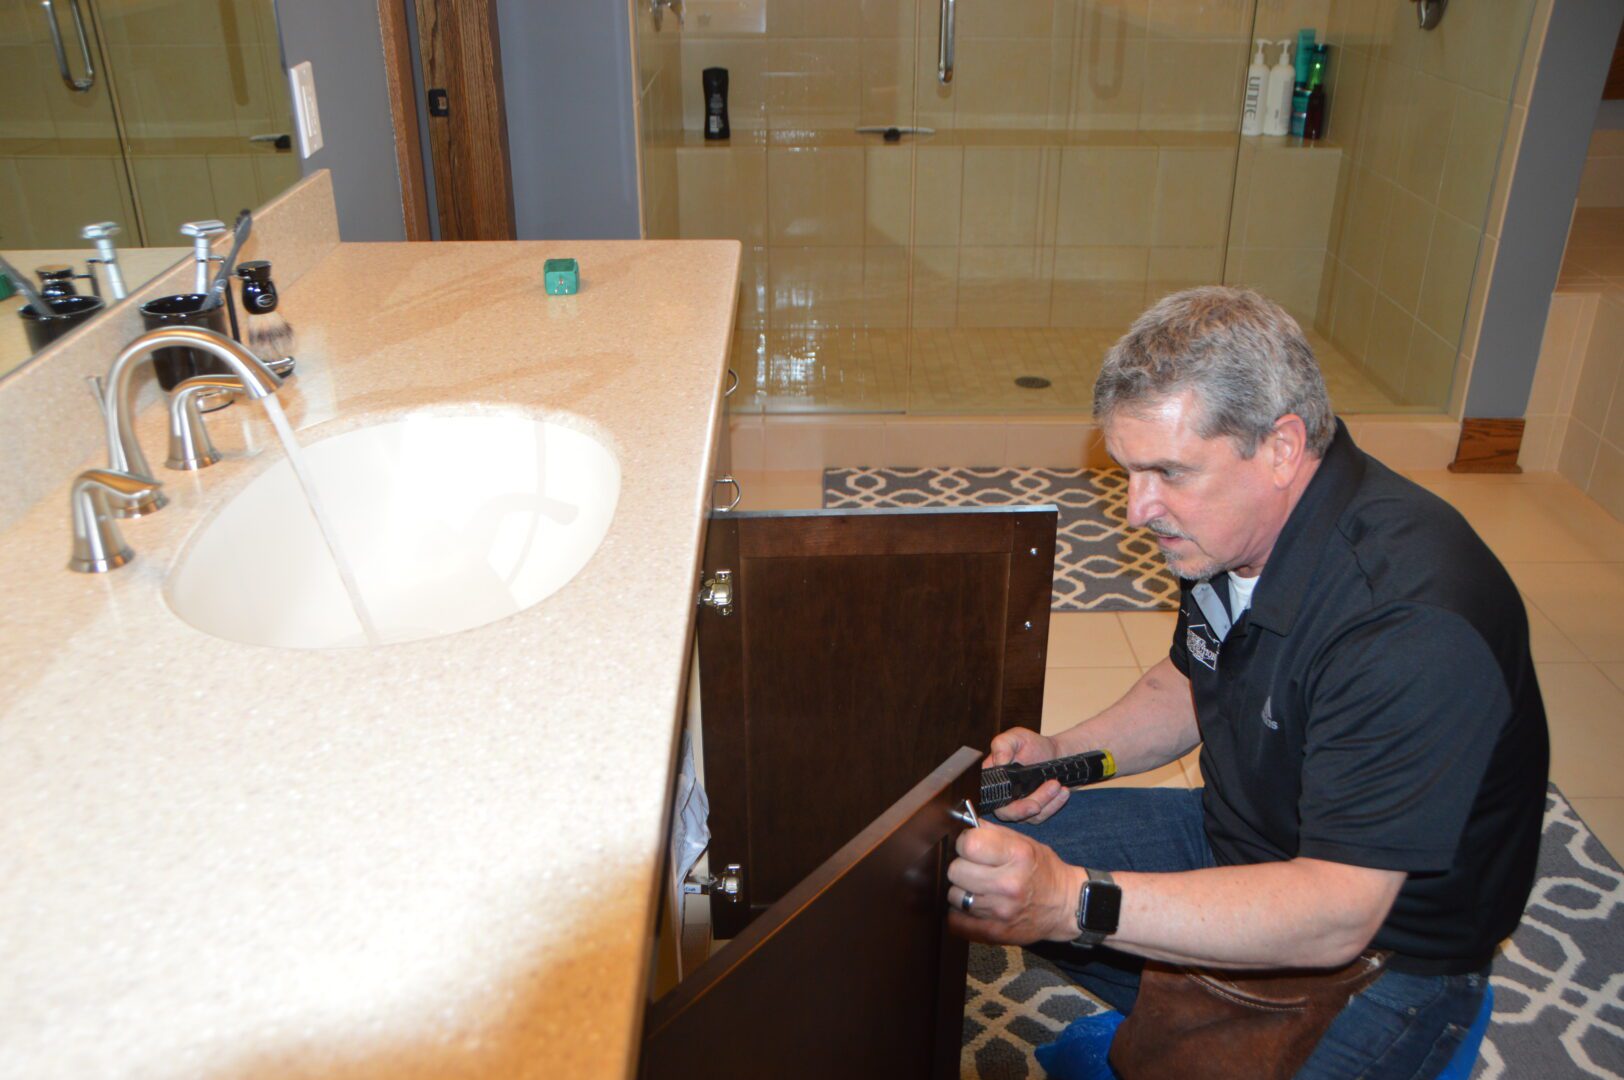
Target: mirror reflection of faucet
<point>101,234</point>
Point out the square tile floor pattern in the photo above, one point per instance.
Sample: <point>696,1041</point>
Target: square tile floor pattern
<point>1564,552</point>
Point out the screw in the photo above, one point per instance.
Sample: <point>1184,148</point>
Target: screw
<point>1034,551</point>
<point>1029,624</point>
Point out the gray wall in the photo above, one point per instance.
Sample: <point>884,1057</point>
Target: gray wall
<point>566,73</point>
<point>343,43</point>
<point>1561,114</point>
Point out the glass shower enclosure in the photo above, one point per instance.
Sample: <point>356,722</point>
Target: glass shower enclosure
<point>148,113</point>
<point>955,206</point>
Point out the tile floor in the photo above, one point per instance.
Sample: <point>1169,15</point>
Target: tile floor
<point>1565,553</point>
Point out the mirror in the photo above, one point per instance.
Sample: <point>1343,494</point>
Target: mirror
<point>145,113</point>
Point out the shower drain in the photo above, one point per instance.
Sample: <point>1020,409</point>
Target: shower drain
<point>1032,382</point>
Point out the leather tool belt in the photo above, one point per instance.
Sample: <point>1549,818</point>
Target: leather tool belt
<point>1199,1024</point>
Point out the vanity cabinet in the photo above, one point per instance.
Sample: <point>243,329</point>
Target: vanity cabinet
<point>853,667</point>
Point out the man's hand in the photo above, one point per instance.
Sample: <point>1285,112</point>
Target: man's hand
<point>1027,747</point>
<point>1023,891</point>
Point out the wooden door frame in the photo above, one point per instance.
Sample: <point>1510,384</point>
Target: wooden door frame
<point>460,53</point>
<point>402,89</point>
<point>460,50</point>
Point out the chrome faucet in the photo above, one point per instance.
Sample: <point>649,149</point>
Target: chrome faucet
<point>123,452</point>
<point>101,234</point>
<point>190,447</point>
<point>203,234</point>
<point>97,545</point>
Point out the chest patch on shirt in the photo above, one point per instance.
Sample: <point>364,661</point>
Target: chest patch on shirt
<point>1201,645</point>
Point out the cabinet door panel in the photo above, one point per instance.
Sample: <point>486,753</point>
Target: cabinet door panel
<point>863,648</point>
<point>852,973</point>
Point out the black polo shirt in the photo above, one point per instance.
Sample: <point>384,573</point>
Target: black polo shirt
<point>1376,706</point>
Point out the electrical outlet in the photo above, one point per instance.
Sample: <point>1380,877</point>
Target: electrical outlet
<point>302,80</point>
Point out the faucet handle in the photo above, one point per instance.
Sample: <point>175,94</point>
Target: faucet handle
<point>206,227</point>
<point>101,230</point>
<point>98,546</point>
<point>189,444</point>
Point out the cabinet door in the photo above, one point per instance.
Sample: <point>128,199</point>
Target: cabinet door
<point>859,650</point>
<point>853,973</point>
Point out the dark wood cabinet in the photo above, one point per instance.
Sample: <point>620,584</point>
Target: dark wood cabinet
<point>851,974</point>
<point>843,657</point>
<point>861,649</point>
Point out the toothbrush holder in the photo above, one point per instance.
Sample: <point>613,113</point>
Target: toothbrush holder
<point>175,365</point>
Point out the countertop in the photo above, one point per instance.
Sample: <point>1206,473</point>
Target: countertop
<point>438,858</point>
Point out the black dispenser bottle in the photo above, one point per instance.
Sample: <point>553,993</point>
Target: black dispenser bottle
<point>715,82</point>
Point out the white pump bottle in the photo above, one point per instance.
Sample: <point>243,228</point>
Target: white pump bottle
<point>1257,84</point>
<point>1277,101</point>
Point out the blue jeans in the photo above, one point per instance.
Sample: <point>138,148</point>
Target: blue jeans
<point>1402,1025</point>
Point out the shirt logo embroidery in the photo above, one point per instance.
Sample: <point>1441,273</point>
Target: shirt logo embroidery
<point>1268,714</point>
<point>1199,647</point>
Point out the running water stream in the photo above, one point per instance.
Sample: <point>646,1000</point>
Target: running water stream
<point>279,419</point>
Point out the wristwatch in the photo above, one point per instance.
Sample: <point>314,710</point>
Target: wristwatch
<point>1099,907</point>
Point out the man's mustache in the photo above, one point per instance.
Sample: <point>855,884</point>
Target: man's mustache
<point>1163,529</point>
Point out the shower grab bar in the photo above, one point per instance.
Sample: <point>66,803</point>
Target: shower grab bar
<point>78,86</point>
<point>944,45</point>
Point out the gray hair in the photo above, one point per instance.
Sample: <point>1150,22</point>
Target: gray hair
<point>1246,360</point>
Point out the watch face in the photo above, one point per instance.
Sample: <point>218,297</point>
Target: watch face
<point>1102,907</point>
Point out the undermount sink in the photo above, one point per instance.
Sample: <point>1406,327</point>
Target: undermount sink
<point>449,523</point>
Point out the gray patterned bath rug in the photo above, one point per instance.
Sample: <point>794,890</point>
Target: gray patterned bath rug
<point>1558,983</point>
<point>1099,563</point>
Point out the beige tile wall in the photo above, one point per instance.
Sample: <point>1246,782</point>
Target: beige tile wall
<point>1422,116</point>
<point>659,117</point>
<point>1575,412</point>
<point>1603,181</point>
<point>1083,166</point>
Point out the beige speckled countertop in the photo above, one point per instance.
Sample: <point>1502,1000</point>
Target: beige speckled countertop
<point>436,859</point>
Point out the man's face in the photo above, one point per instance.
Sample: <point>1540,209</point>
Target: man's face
<point>1210,508</point>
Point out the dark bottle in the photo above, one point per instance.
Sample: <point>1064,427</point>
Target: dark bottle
<point>258,290</point>
<point>1314,114</point>
<point>267,334</point>
<point>714,80</point>
<point>1314,118</point>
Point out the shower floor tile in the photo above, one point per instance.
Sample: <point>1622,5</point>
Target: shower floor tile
<point>959,370</point>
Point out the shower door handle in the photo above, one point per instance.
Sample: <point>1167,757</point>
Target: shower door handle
<point>78,86</point>
<point>944,45</point>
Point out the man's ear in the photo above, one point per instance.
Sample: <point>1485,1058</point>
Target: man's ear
<point>1287,447</point>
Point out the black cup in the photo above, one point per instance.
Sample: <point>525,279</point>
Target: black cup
<point>66,313</point>
<point>176,364</point>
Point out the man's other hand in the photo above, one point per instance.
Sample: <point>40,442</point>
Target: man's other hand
<point>1022,890</point>
<point>1026,747</point>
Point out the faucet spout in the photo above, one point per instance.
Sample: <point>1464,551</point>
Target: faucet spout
<point>123,452</point>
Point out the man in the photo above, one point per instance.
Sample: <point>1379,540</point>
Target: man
<point>1354,664</point>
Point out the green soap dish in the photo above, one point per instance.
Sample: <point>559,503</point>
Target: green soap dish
<point>561,276</point>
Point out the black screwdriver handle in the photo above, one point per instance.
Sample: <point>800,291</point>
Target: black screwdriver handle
<point>1003,784</point>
